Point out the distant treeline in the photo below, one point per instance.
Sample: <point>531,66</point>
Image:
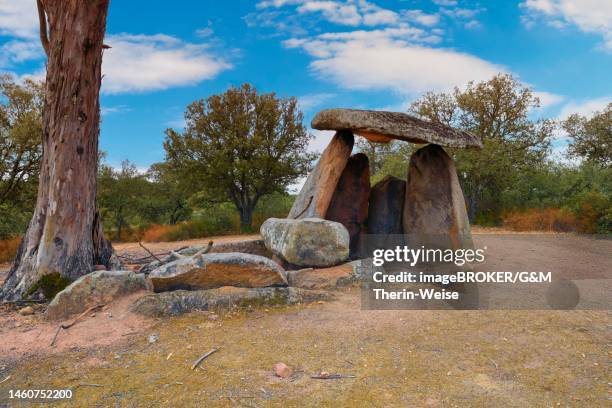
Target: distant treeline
<point>223,176</point>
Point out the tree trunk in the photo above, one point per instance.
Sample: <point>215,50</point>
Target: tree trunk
<point>246,219</point>
<point>65,235</point>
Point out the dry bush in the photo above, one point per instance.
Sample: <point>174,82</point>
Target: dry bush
<point>8,249</point>
<point>158,233</point>
<point>547,219</point>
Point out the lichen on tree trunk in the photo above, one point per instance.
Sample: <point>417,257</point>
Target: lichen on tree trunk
<point>65,234</point>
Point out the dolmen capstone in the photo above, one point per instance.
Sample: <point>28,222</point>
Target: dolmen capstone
<point>427,207</point>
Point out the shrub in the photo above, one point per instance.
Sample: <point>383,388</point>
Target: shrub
<point>547,219</point>
<point>594,213</point>
<point>8,249</point>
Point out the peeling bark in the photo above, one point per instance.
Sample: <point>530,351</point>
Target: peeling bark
<point>65,234</point>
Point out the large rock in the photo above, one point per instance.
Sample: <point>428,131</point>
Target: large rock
<point>311,242</point>
<point>181,301</point>
<point>381,126</point>
<point>434,207</point>
<point>95,288</point>
<point>349,205</point>
<point>316,195</point>
<point>386,206</point>
<point>216,270</point>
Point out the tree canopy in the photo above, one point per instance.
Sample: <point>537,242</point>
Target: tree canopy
<point>498,111</point>
<point>20,150</point>
<point>239,146</point>
<point>591,138</point>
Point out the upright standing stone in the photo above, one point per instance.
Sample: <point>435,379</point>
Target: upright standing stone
<point>434,207</point>
<point>386,206</point>
<point>349,204</point>
<point>317,193</point>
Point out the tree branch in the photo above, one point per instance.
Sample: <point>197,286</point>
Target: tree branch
<point>42,23</point>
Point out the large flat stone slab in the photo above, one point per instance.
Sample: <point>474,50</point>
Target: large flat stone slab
<point>386,206</point>
<point>383,126</point>
<point>349,205</point>
<point>311,242</point>
<point>216,270</point>
<point>319,188</point>
<point>434,208</point>
<point>182,301</point>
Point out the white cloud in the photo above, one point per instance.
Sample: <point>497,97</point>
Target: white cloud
<point>422,18</point>
<point>591,16</point>
<point>445,2</point>
<point>311,101</point>
<point>548,99</point>
<point>18,18</point>
<point>585,107</point>
<point>109,110</point>
<point>387,60</point>
<point>349,12</point>
<point>137,63</point>
<point>17,51</point>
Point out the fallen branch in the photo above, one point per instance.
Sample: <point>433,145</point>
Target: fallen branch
<point>69,325</point>
<point>145,259</point>
<point>204,250</point>
<point>6,379</point>
<point>90,385</point>
<point>332,376</point>
<point>199,360</point>
<point>150,253</point>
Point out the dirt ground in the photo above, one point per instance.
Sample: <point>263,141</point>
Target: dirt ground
<point>399,358</point>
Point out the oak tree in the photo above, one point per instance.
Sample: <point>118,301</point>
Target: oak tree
<point>240,146</point>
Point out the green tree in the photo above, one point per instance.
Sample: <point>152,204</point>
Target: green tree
<point>120,193</point>
<point>20,151</point>
<point>591,138</point>
<point>240,146</point>
<point>498,111</point>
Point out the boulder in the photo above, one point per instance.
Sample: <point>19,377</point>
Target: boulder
<point>316,195</point>
<point>94,288</point>
<point>307,242</point>
<point>349,204</point>
<point>325,278</point>
<point>434,208</point>
<point>386,206</point>
<point>216,270</point>
<point>181,301</point>
<point>381,126</point>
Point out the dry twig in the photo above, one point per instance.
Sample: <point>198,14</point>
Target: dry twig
<point>199,360</point>
<point>69,325</point>
<point>150,253</point>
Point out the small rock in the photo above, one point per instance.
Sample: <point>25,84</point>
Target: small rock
<point>153,338</point>
<point>282,370</point>
<point>26,311</point>
<point>213,317</point>
<point>99,268</point>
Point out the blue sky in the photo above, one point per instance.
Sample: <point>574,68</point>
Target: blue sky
<point>376,54</point>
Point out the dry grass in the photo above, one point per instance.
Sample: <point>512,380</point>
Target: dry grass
<point>548,219</point>
<point>8,249</point>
